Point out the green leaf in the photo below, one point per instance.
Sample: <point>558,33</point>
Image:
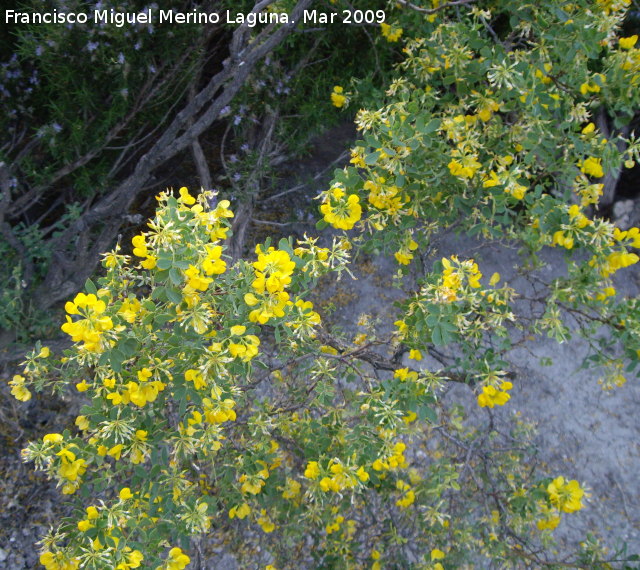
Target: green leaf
<point>284,245</point>
<point>90,287</point>
<point>175,276</point>
<point>129,347</point>
<point>372,158</point>
<point>427,413</point>
<point>173,295</point>
<point>116,360</point>
<point>164,262</point>
<point>432,126</point>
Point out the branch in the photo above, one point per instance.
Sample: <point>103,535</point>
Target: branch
<point>6,230</point>
<point>198,114</point>
<point>434,10</point>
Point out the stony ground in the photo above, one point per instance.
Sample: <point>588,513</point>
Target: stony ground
<point>584,432</point>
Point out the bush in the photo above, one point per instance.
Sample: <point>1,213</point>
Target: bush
<point>217,401</point>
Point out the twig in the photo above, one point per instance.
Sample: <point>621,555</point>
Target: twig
<point>434,10</point>
<point>277,224</point>
<point>301,186</point>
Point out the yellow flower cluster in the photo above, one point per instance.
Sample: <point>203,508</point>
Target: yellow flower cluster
<point>337,97</point>
<point>453,278</point>
<point>90,329</point>
<point>140,249</point>
<point>396,460</point>
<point>58,561</point>
<point>550,518</point>
<point>85,524</point>
<point>566,236</point>
<point>209,219</point>
<point>592,167</point>
<point>463,165</point>
<point>253,484</point>
<point>404,374</point>
<point>130,310</point>
<point>304,319</point>
<point>245,347</point>
<point>437,554</point>
<point>609,6</point>
<point>217,409</point>
<point>491,396</point>
<point>18,390</point>
<point>628,43</point>
<point>265,522</point>
<point>508,179</point>
<point>565,496</point>
<point>133,559</point>
<point>292,489</point>
<point>335,525</point>
<point>273,271</point>
<point>384,196</point>
<point>408,496</point>
<point>340,210</point>
<point>241,511</point>
<point>391,33</point>
<point>139,393</point>
<point>69,468</point>
<point>618,260</point>
<point>176,560</point>
<point>339,476</point>
<point>632,234</point>
<point>593,85</point>
<point>405,254</point>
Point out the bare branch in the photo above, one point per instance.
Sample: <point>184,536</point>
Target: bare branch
<point>197,115</point>
<point>434,10</point>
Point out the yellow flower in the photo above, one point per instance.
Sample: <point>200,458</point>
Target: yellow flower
<point>84,525</point>
<point>125,494</point>
<point>116,451</point>
<point>593,167</point>
<point>312,471</point>
<point>415,354</point>
<point>391,34</point>
<point>437,554</point>
<point>292,489</point>
<point>628,43</point>
<point>265,522</point>
<point>491,397</point>
<point>464,165</point>
<point>82,422</point>
<point>340,213</point>
<point>238,330</point>
<point>337,98</point>
<point>362,474</point>
<point>177,560</point>
<point>58,561</point>
<point>566,497</point>
<point>241,512</point>
<point>18,390</point>
<point>185,197</point>
<point>52,438</point>
<point>589,129</point>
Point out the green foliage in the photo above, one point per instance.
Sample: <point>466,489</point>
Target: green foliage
<point>217,403</point>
